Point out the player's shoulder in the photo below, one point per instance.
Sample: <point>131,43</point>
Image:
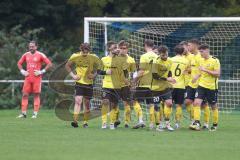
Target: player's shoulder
<point>93,56</point>
<point>215,59</point>
<point>42,54</point>
<point>105,58</point>
<point>26,53</point>
<point>130,58</point>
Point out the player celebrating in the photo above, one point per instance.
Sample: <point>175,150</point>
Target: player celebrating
<point>144,79</point>
<point>207,88</point>
<point>33,77</point>
<point>125,90</point>
<point>114,71</point>
<point>86,65</point>
<point>193,45</point>
<point>179,68</point>
<point>161,88</point>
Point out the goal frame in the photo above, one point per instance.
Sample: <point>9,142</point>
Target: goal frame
<point>87,20</point>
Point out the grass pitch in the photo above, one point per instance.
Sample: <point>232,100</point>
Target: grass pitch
<point>48,138</point>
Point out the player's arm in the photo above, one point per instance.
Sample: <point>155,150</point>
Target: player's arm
<point>141,70</point>
<point>20,62</point>
<point>195,78</point>
<point>215,72</point>
<point>68,66</point>
<point>48,65</point>
<point>101,70</point>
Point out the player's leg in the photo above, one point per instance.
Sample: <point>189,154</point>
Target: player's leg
<point>113,114</point>
<point>127,114</point>
<point>36,86</point>
<point>36,104</point>
<point>104,111</point>
<point>212,97</point>
<point>167,114</point>
<point>86,114</point>
<point>125,95</point>
<point>77,109</point>
<point>139,97</point>
<point>154,109</point>
<point>157,114</point>
<point>206,115</point>
<point>179,100</point>
<point>189,98</point>
<point>87,96</point>
<point>27,88</point>
<point>105,107</point>
<point>199,97</point>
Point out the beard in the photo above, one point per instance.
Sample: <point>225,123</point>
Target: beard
<point>32,51</point>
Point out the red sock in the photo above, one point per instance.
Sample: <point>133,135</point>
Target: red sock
<point>36,102</point>
<point>24,103</point>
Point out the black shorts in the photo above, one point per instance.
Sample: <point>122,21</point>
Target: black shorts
<point>126,93</point>
<point>85,90</point>
<point>210,95</point>
<point>178,95</point>
<point>113,95</point>
<point>159,96</point>
<point>190,93</point>
<point>142,93</point>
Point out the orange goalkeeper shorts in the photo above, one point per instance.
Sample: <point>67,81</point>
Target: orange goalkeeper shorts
<point>32,85</point>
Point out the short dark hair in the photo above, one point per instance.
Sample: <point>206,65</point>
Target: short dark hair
<point>123,43</point>
<point>109,44</point>
<point>149,43</point>
<point>194,41</point>
<point>183,43</point>
<point>33,41</point>
<point>162,49</point>
<point>85,46</point>
<point>203,46</point>
<point>178,49</point>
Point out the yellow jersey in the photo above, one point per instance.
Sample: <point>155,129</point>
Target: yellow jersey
<point>195,69</point>
<point>162,68</point>
<point>117,65</point>
<point>187,76</point>
<point>131,65</point>
<point>178,69</point>
<point>206,80</point>
<point>146,63</point>
<point>85,65</point>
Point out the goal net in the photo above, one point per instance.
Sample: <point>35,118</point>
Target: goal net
<point>221,34</point>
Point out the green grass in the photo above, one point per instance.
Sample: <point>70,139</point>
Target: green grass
<point>50,138</point>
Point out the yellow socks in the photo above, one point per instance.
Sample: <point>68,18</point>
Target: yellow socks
<point>152,114</point>
<point>167,112</point>
<point>206,114</point>
<point>138,110</point>
<point>178,115</point>
<point>197,113</point>
<point>104,111</point>
<point>215,115</point>
<point>127,114</point>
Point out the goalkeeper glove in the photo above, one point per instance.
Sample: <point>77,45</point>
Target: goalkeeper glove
<point>24,73</point>
<point>39,72</point>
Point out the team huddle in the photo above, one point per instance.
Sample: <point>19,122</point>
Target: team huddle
<point>190,79</point>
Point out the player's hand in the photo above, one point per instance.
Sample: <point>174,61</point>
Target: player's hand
<point>109,72</point>
<point>201,68</point>
<point>74,76</point>
<point>39,72</point>
<point>127,82</point>
<point>24,73</point>
<point>171,80</point>
<point>194,80</point>
<point>91,76</point>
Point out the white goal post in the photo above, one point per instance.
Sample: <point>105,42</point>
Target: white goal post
<point>221,33</point>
